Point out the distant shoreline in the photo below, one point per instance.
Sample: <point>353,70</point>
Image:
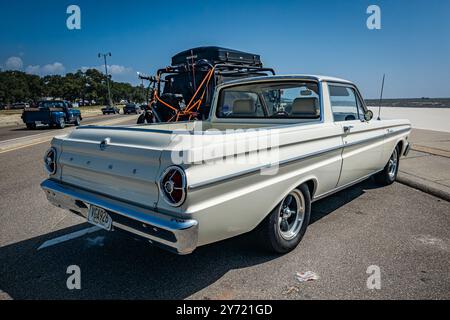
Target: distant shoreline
<point>439,103</point>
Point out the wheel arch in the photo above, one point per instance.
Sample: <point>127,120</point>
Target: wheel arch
<point>56,116</point>
<point>312,186</point>
<point>310,181</point>
<point>400,144</point>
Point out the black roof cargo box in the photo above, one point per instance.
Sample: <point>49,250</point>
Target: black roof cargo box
<point>216,55</point>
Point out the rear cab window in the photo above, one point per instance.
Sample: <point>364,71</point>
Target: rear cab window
<point>51,104</point>
<point>275,100</point>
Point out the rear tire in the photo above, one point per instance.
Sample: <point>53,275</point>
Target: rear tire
<point>141,119</point>
<point>61,124</point>
<point>284,228</point>
<point>390,171</point>
<point>31,126</point>
<point>77,121</point>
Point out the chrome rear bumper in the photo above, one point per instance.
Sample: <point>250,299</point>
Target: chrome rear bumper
<point>174,234</point>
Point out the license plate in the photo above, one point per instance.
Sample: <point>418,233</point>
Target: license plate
<point>99,217</point>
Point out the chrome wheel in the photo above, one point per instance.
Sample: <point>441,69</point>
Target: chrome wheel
<point>291,215</point>
<point>392,165</point>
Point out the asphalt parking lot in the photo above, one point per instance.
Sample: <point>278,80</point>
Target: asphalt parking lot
<point>403,231</point>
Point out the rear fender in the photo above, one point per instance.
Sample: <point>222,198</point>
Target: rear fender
<point>56,116</point>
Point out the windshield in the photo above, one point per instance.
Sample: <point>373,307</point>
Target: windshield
<point>271,100</point>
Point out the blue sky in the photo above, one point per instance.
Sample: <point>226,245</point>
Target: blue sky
<point>318,37</point>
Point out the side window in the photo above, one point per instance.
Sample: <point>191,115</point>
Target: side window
<point>344,103</point>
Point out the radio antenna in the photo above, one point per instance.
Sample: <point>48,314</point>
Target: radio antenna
<point>381,99</point>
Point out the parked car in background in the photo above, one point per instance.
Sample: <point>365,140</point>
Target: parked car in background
<point>181,185</point>
<point>131,108</point>
<point>20,105</point>
<point>110,109</point>
<point>56,113</point>
<point>83,103</point>
<point>143,107</point>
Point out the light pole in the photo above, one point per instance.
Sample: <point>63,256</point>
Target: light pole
<point>142,86</point>
<point>106,71</point>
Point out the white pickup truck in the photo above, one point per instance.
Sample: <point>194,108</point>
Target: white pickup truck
<point>271,146</point>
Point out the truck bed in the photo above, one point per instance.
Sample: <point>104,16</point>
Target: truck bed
<point>199,126</point>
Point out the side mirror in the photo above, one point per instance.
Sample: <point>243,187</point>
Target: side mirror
<point>368,115</point>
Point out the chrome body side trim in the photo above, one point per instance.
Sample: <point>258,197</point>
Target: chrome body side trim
<point>389,134</point>
<point>262,167</point>
<point>290,160</point>
<point>183,231</point>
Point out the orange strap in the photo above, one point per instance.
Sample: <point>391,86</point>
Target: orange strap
<point>190,106</point>
<point>165,103</point>
<point>206,79</point>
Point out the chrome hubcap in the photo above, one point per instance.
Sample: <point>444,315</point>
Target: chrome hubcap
<point>291,215</point>
<point>393,163</point>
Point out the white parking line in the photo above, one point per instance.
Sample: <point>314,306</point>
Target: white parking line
<point>31,140</point>
<point>69,236</point>
<point>34,136</point>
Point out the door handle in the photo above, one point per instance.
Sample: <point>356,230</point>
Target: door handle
<point>348,128</point>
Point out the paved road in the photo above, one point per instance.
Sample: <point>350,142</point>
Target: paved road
<point>13,132</point>
<point>403,231</point>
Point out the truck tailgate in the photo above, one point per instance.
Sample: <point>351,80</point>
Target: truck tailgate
<point>33,115</point>
<point>118,162</point>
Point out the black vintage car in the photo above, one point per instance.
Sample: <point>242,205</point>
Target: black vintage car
<point>183,91</point>
<point>110,109</point>
<point>131,108</point>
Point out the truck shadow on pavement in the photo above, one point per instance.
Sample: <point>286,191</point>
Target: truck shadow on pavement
<point>114,266</point>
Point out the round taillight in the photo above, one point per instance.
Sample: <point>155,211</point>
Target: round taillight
<point>173,186</point>
<point>50,160</point>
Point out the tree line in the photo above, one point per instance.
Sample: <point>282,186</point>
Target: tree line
<point>89,85</point>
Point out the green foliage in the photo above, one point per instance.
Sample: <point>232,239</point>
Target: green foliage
<point>16,86</point>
